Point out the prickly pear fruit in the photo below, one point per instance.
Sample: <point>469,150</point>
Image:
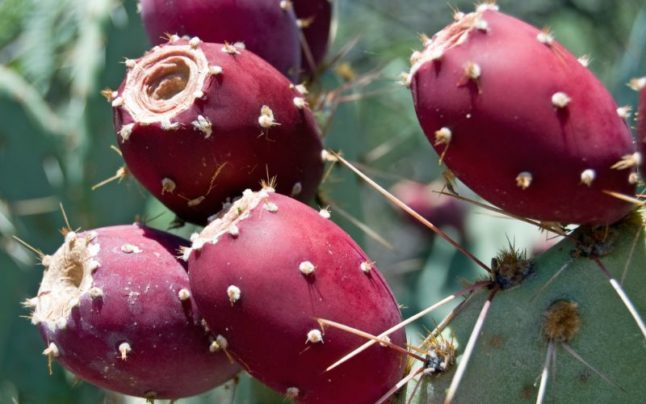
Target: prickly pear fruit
<point>266,27</point>
<point>114,308</point>
<point>198,123</point>
<point>521,121</point>
<point>640,85</point>
<point>425,199</point>
<point>315,20</point>
<point>265,271</point>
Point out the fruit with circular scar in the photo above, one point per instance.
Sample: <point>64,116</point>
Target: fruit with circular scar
<point>200,122</point>
<point>114,308</point>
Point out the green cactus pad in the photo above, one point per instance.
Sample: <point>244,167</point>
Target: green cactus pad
<point>511,350</point>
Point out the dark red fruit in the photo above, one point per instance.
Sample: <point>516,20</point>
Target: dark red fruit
<point>522,122</point>
<point>114,308</point>
<point>264,272</point>
<point>640,85</point>
<point>425,199</point>
<point>198,123</point>
<point>266,27</point>
<point>315,20</point>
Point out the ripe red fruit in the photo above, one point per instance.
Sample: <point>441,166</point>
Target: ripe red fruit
<point>114,308</point>
<point>198,123</point>
<point>522,122</point>
<point>264,272</point>
<point>315,20</point>
<point>641,119</point>
<point>266,27</point>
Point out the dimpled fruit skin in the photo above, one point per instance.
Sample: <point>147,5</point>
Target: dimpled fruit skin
<point>318,15</point>
<point>239,153</point>
<point>267,327</point>
<point>504,123</point>
<point>262,25</point>
<point>140,305</point>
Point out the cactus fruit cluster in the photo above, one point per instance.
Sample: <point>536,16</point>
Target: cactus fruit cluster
<point>210,123</point>
<point>199,119</point>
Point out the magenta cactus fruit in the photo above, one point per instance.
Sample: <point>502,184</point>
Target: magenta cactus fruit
<point>265,271</point>
<point>640,85</point>
<point>114,308</point>
<point>425,199</point>
<point>521,121</point>
<point>266,27</point>
<point>198,123</point>
<point>315,21</point>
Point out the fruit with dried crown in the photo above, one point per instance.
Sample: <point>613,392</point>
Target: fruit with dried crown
<point>265,271</point>
<point>266,27</point>
<point>315,21</point>
<point>521,121</point>
<point>199,122</point>
<point>114,308</point>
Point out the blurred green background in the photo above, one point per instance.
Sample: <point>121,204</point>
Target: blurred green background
<point>56,132</point>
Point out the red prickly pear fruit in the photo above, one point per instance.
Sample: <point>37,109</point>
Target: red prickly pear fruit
<point>640,85</point>
<point>114,308</point>
<point>266,27</point>
<point>265,271</point>
<point>425,199</point>
<point>198,123</point>
<point>315,21</point>
<point>521,121</point>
